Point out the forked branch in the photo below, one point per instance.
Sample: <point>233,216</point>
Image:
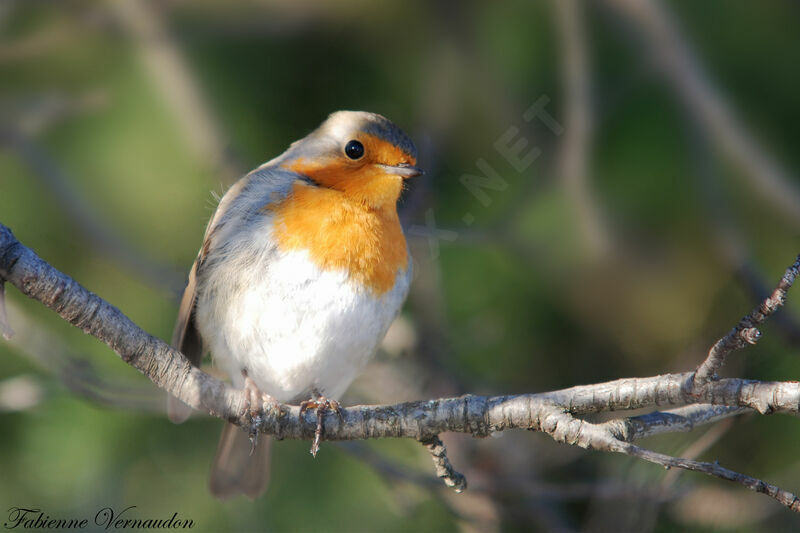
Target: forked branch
<point>693,397</point>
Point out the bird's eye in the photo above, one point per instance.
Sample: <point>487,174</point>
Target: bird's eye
<point>354,150</point>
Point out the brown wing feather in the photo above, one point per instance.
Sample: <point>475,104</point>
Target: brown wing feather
<point>186,339</point>
<point>185,336</point>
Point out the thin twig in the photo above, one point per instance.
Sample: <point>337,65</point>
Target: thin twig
<point>444,470</point>
<point>784,497</point>
<point>726,236</point>
<point>698,447</point>
<point>565,428</point>
<point>682,419</point>
<point>746,331</point>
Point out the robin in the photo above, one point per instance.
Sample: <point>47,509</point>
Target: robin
<point>303,267</point>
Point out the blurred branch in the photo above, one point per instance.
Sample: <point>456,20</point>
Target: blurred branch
<point>57,35</point>
<point>20,393</point>
<point>76,373</point>
<point>471,510</point>
<point>727,235</point>
<point>552,413</point>
<point>573,164</point>
<point>668,46</point>
<point>706,441</point>
<point>5,328</point>
<point>386,467</point>
<point>651,506</point>
<point>30,118</point>
<point>35,45</point>
<point>84,216</point>
<point>32,114</point>
<point>172,76</point>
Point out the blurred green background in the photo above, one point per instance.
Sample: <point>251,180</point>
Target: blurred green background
<point>654,216</point>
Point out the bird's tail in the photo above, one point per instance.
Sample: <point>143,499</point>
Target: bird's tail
<point>235,470</point>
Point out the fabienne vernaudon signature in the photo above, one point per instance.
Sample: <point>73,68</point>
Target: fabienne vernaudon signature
<point>107,518</point>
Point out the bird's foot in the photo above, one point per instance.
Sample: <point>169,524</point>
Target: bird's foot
<point>257,403</point>
<point>321,404</point>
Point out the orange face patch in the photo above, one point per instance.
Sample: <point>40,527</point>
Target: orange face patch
<point>340,233</point>
<point>362,179</point>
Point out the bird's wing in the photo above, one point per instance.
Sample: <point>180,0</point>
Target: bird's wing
<point>185,336</point>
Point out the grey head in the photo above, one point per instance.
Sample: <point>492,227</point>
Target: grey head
<point>331,139</point>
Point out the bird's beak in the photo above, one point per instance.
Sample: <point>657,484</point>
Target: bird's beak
<point>403,170</point>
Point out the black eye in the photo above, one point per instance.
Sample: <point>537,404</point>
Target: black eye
<point>354,149</point>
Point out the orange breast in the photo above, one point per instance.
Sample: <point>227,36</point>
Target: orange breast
<point>339,233</point>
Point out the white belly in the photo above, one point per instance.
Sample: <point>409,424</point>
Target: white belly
<point>293,327</point>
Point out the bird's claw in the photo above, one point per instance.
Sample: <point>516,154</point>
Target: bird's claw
<point>321,404</point>
<point>256,404</point>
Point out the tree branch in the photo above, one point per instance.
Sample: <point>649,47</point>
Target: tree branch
<point>553,413</point>
<point>444,470</point>
<point>746,331</point>
<point>681,419</point>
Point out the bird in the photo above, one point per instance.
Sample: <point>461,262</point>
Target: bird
<point>303,267</point>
